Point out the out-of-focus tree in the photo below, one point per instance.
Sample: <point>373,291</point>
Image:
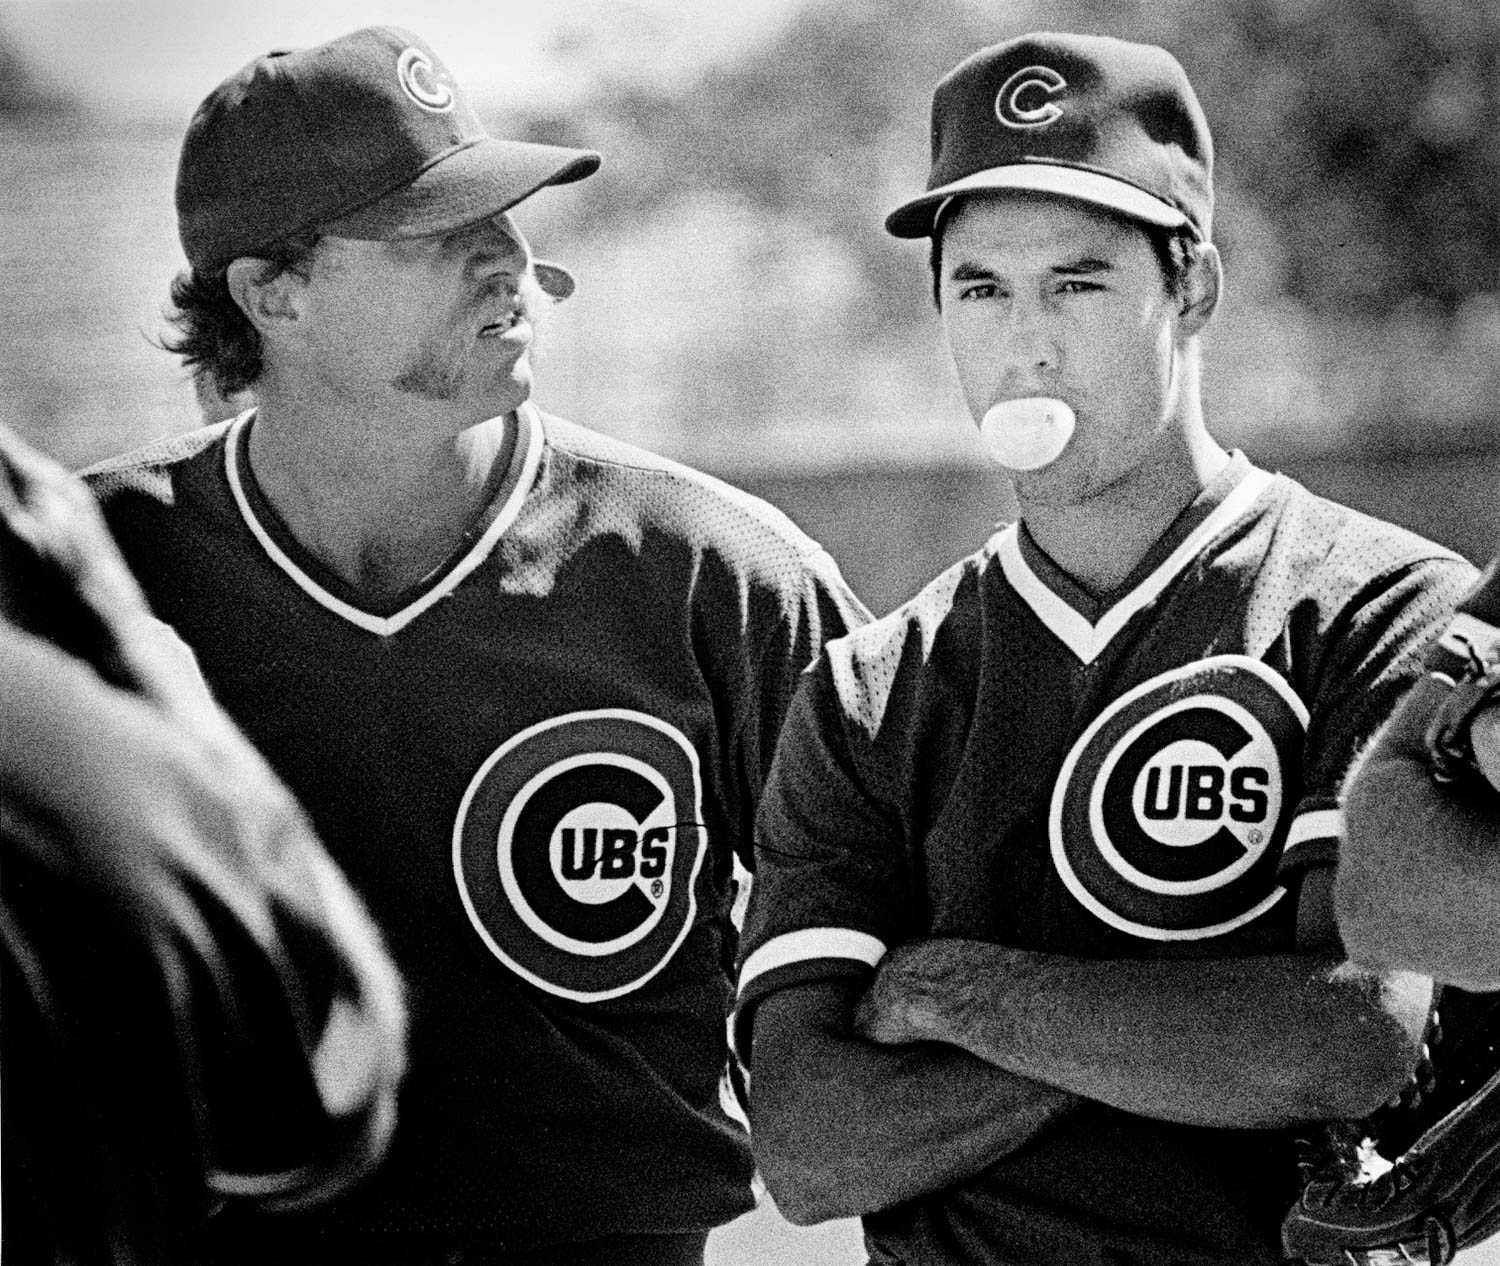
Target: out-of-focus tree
<point>1370,131</point>
<point>22,93</point>
<point>824,124</point>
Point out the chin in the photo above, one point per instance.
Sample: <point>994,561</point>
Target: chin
<point>509,394</point>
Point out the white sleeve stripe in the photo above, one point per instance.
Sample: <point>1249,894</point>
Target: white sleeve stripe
<point>1319,824</point>
<point>810,943</point>
<point>1469,631</point>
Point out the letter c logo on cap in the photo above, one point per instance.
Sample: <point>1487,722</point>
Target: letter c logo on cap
<point>414,71</point>
<point>1025,99</point>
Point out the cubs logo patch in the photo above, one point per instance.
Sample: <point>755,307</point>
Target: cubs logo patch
<point>418,79</point>
<point>1025,99</point>
<point>577,848</point>
<point>1169,814</point>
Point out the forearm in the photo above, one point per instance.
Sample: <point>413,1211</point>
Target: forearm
<point>842,1127</point>
<point>1419,873</point>
<point>1245,1042</point>
<point>67,739</point>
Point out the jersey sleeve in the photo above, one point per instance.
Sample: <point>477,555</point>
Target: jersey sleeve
<point>1473,634</point>
<point>832,889</point>
<point>1373,649</point>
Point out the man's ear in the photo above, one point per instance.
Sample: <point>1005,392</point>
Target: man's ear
<point>1203,285</point>
<point>266,297</point>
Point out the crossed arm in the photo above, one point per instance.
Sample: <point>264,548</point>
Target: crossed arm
<point>844,1125</point>
<point>960,1051</point>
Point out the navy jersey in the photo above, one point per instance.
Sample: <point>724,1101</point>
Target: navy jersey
<point>539,767</point>
<point>1005,758</point>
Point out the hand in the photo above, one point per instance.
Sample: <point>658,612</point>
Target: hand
<point>919,992</point>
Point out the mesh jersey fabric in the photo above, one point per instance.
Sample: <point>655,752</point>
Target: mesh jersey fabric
<point>540,768</point>
<point>1148,774</point>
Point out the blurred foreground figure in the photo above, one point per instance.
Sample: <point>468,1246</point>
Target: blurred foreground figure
<point>1419,888</point>
<point>525,679</point>
<point>196,1010</point>
<point>1419,879</point>
<point>1041,964</point>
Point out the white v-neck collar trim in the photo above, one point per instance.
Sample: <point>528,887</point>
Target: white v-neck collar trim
<point>1087,641</point>
<point>529,433</point>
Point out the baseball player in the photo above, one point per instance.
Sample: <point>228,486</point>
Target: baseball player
<point>526,679</point>
<point>1040,965</point>
<point>196,1008</point>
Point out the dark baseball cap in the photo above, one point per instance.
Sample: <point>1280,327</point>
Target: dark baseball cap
<point>367,136</point>
<point>1086,117</point>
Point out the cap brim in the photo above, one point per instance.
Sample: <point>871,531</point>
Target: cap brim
<point>917,217</point>
<point>481,179</point>
<point>554,279</point>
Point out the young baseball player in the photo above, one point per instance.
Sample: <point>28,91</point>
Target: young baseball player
<point>1040,966</point>
<point>526,679</point>
<point>196,1008</point>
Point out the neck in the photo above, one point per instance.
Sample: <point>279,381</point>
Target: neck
<point>379,500</point>
<point>1100,538</point>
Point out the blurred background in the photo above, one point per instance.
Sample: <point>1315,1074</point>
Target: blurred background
<point>740,306</point>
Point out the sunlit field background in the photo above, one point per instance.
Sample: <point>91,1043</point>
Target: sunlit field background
<point>740,306</point>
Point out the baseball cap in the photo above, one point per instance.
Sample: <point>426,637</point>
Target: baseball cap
<point>1086,117</point>
<point>367,136</point>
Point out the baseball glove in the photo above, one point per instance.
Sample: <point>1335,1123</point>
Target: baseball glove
<point>1420,1180</point>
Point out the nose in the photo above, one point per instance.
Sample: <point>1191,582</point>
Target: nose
<point>498,247</point>
<point>1030,352</point>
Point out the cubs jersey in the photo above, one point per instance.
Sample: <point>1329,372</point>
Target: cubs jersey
<point>1007,758</point>
<point>1472,637</point>
<point>540,767</point>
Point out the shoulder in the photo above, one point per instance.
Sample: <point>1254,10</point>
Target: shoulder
<point>149,471</point>
<point>1341,561</point>
<point>1348,544</point>
<point>707,513</point>
<point>926,648</point>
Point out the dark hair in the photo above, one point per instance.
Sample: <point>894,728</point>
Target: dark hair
<point>215,337</point>
<point>1177,251</point>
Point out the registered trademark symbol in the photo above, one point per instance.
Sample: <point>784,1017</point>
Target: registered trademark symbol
<point>657,888</point>
<point>1254,836</point>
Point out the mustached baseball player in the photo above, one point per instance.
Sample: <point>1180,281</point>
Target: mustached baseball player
<point>1041,965</point>
<point>525,679</point>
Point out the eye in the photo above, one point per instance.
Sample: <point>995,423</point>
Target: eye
<point>1078,286</point>
<point>976,290</point>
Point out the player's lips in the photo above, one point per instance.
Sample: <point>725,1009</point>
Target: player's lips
<point>514,320</point>
<point>501,309</point>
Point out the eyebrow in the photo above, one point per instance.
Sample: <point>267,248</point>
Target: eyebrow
<point>1081,267</point>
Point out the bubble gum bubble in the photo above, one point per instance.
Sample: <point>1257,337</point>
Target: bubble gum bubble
<point>1027,434</point>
